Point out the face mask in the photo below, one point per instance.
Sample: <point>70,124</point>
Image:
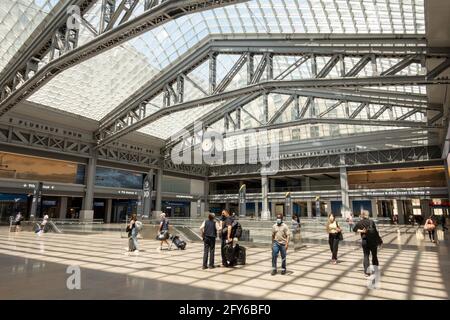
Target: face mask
<point>278,221</point>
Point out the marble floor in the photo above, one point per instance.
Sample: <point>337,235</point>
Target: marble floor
<point>36,267</point>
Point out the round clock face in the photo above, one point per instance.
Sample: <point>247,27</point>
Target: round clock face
<point>207,144</point>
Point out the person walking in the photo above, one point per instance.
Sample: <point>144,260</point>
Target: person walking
<point>132,234</point>
<point>334,235</point>
<point>17,221</point>
<point>163,231</point>
<point>280,244</point>
<point>370,240</point>
<point>209,233</point>
<point>350,222</point>
<point>226,236</point>
<point>430,226</point>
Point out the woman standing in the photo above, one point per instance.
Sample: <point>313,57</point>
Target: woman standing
<point>334,234</point>
<point>132,234</point>
<point>350,222</point>
<point>430,226</point>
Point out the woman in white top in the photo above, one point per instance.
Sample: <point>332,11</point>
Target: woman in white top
<point>334,231</point>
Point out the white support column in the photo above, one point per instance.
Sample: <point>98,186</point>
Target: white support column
<point>328,203</point>
<point>373,202</point>
<point>108,210</point>
<point>256,209</point>
<point>345,209</point>
<point>158,203</point>
<point>206,194</point>
<point>265,213</point>
<point>309,208</point>
<point>63,208</point>
<point>88,213</point>
<point>307,184</point>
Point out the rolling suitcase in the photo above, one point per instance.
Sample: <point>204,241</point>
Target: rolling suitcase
<point>241,254</point>
<point>180,244</point>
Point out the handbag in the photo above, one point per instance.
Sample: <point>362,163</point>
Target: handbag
<point>340,236</point>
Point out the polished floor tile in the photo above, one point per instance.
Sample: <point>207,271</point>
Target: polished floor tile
<point>36,267</point>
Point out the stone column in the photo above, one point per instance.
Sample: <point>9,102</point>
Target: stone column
<point>374,208</point>
<point>401,213</point>
<point>256,209</point>
<point>206,194</point>
<point>88,213</point>
<point>147,195</point>
<point>108,210</point>
<point>265,213</point>
<point>345,209</point>
<point>63,208</point>
<point>158,202</point>
<point>328,203</point>
<point>309,209</point>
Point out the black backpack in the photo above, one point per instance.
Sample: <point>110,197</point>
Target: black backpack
<point>373,237</point>
<point>236,230</point>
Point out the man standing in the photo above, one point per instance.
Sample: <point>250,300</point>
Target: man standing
<point>227,221</point>
<point>209,234</point>
<point>370,240</point>
<point>280,240</point>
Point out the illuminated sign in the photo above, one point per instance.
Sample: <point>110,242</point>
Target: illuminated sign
<point>184,196</point>
<point>126,192</point>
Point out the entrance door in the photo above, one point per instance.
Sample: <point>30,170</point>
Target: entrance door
<point>385,208</point>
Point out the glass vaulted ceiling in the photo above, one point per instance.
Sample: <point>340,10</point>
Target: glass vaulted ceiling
<point>18,19</point>
<point>95,87</point>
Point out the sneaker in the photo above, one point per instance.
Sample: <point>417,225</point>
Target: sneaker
<point>204,267</point>
<point>334,262</point>
<point>274,272</point>
<point>283,272</point>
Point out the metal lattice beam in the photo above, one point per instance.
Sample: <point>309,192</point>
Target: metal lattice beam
<point>211,47</point>
<point>14,92</point>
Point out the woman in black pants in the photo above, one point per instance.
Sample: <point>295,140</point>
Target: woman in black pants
<point>333,230</point>
<point>430,226</point>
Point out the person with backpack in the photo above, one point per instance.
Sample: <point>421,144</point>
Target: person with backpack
<point>280,244</point>
<point>226,235</point>
<point>163,231</point>
<point>370,240</point>
<point>209,233</point>
<point>132,234</point>
<point>430,226</point>
<point>334,236</point>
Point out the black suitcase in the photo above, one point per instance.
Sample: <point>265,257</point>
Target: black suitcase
<point>241,255</point>
<point>180,244</point>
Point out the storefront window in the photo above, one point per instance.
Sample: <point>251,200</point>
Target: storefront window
<point>10,204</point>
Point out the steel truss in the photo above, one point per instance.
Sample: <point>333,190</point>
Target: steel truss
<point>411,154</point>
<point>56,49</point>
<point>21,136</point>
<point>195,170</point>
<point>132,115</point>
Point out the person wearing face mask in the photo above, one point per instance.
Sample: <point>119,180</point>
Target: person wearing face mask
<point>280,243</point>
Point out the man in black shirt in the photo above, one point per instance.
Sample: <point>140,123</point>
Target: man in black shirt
<point>366,227</point>
<point>227,221</point>
<point>209,234</point>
